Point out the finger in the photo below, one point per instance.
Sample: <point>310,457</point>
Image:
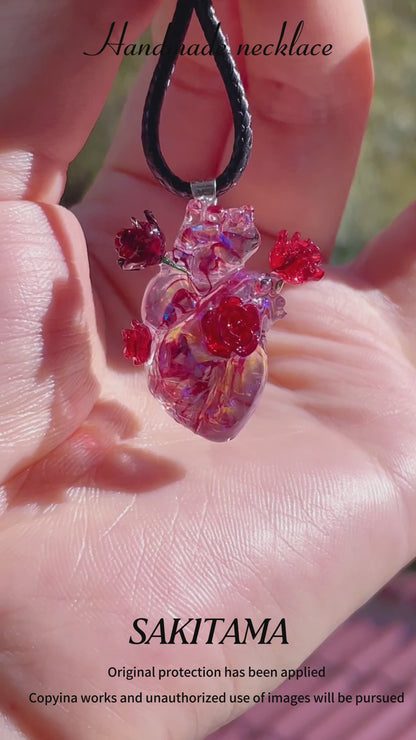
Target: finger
<point>51,359</point>
<point>52,95</point>
<point>388,264</point>
<point>387,269</point>
<point>309,115</point>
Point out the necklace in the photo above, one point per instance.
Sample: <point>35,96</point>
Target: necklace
<point>205,316</point>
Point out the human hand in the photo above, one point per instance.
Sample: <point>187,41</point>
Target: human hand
<point>111,511</point>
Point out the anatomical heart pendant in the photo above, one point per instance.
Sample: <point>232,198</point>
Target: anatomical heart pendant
<point>205,316</point>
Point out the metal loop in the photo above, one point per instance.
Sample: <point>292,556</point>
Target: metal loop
<point>205,189</point>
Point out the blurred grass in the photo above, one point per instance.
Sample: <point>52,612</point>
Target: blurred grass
<point>84,168</point>
<point>386,177</point>
<point>385,182</point>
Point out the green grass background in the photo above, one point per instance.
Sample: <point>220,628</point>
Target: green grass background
<point>386,176</point>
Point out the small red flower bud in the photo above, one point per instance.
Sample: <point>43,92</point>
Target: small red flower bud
<point>141,245</point>
<point>137,343</point>
<point>295,260</point>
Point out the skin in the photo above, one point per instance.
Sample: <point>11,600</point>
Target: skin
<point>110,510</point>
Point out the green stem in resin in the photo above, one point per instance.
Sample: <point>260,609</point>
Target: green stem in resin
<point>169,262</point>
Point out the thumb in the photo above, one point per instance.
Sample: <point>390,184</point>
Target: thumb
<point>47,332</point>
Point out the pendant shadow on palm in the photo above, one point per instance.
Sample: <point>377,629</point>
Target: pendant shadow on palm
<point>100,455</point>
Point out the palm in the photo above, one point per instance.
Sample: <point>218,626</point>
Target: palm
<point>304,515</point>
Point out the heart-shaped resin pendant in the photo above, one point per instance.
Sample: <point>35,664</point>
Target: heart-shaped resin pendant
<point>205,316</point>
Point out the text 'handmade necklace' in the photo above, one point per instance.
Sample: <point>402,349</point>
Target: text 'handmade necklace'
<point>205,316</point>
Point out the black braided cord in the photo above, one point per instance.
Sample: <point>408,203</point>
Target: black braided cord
<point>175,36</point>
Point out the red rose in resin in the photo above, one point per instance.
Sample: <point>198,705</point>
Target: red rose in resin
<point>137,343</point>
<point>142,245</point>
<point>231,327</point>
<point>295,260</point>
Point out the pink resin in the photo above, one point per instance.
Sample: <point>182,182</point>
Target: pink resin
<point>207,364</point>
